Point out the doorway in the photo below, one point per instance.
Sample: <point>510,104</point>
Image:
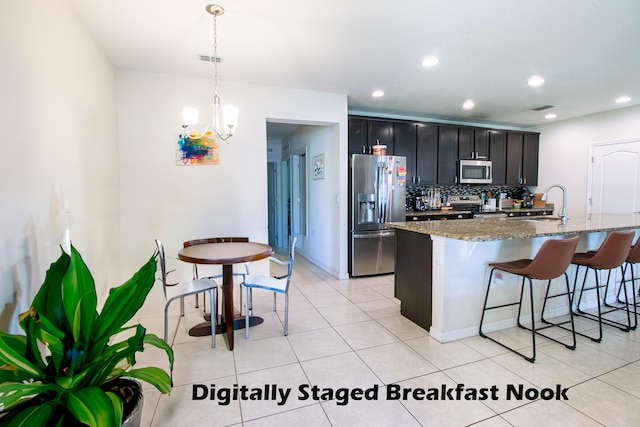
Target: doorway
<point>615,178</point>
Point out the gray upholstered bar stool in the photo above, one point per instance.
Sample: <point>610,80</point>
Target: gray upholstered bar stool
<point>551,261</point>
<point>611,254</point>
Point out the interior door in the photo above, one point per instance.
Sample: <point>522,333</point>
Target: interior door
<point>615,178</point>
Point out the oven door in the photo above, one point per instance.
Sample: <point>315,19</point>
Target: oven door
<point>475,172</point>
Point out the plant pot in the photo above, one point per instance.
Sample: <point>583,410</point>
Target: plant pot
<point>130,391</point>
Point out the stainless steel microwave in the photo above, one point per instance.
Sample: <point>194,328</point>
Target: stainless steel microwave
<point>475,172</point>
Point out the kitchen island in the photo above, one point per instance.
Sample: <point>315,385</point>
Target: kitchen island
<point>441,267</point>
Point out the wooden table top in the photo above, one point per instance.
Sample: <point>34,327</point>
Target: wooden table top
<point>225,253</point>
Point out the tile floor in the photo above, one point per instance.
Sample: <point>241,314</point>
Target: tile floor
<point>350,334</point>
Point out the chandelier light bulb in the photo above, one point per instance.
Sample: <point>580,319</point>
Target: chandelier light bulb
<point>189,116</point>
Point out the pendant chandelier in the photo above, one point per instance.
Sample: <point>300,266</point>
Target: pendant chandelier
<point>224,118</point>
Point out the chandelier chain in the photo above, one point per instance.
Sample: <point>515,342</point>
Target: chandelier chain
<point>215,53</point>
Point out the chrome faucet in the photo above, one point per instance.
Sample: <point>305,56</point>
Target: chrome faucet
<point>563,213</point>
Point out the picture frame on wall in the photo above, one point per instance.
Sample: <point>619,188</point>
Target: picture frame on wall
<point>318,166</point>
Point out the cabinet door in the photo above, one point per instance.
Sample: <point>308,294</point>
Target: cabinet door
<point>481,143</point>
<point>427,154</point>
<point>405,145</point>
<point>381,132</point>
<point>514,158</point>
<point>530,146</point>
<point>498,156</point>
<point>357,136</point>
<point>466,148</point>
<point>447,155</point>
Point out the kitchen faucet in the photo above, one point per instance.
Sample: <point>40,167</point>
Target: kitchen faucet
<point>563,213</point>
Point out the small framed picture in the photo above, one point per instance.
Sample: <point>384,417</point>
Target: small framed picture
<point>318,166</point>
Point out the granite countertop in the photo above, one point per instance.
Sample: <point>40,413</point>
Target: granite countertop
<point>482,230</point>
<point>439,212</point>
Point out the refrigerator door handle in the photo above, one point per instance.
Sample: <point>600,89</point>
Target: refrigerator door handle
<point>383,192</point>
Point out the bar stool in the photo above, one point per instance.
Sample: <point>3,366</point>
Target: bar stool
<point>551,261</point>
<point>611,254</point>
<point>632,258</point>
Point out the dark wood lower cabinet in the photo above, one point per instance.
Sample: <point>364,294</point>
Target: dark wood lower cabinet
<point>413,280</point>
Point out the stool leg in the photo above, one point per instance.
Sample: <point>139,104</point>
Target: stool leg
<point>581,313</point>
<point>533,321</point>
<point>484,307</point>
<point>569,300</point>
<point>626,298</point>
<point>568,293</point>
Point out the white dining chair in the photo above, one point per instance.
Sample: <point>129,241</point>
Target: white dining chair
<point>278,284</point>
<point>182,289</point>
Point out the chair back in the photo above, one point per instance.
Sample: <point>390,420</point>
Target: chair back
<point>214,240</point>
<point>634,253</point>
<point>163,266</point>
<point>613,251</point>
<point>553,258</point>
<point>292,252</point>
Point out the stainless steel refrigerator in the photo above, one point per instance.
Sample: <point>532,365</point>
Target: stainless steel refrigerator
<point>377,195</point>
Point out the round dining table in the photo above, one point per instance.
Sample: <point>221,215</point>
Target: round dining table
<point>226,254</point>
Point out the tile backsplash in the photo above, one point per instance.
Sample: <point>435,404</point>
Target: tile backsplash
<point>513,192</point>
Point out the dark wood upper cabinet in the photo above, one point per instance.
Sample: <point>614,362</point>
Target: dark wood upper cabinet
<point>466,146</point>
<point>481,143</point>
<point>432,150</point>
<point>380,131</point>
<point>447,155</point>
<point>530,148</point>
<point>514,158</point>
<point>358,136</point>
<point>473,143</point>
<point>522,158</point>
<point>498,156</point>
<point>427,154</point>
<point>405,145</point>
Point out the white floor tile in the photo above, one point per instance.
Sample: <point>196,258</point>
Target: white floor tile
<point>350,334</point>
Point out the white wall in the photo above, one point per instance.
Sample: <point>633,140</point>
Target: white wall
<point>58,151</point>
<point>177,203</point>
<point>564,152</point>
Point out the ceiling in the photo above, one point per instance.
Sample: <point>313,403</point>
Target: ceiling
<point>586,50</point>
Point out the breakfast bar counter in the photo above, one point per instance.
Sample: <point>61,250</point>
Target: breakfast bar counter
<point>441,266</point>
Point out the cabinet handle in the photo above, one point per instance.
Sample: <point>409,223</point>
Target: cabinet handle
<point>455,180</point>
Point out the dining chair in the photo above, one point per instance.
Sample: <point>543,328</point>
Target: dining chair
<point>277,284</point>
<point>182,289</point>
<point>215,240</point>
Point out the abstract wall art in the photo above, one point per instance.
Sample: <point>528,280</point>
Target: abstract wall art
<point>197,149</point>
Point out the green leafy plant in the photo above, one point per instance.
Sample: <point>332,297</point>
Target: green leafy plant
<point>62,371</point>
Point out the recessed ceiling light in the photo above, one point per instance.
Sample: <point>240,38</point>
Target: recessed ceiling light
<point>430,61</point>
<point>535,81</point>
<point>623,99</point>
<point>550,116</point>
<point>377,93</point>
<point>468,104</point>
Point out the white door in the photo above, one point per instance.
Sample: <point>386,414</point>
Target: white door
<point>615,178</point>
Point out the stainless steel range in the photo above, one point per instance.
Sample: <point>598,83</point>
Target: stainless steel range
<point>466,203</point>
<point>474,204</point>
